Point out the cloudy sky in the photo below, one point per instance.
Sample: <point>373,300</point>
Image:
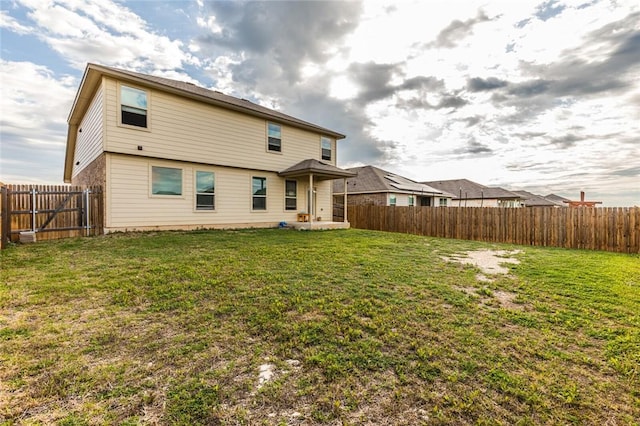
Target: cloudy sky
<point>536,95</point>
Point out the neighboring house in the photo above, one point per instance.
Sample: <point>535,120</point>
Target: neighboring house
<point>172,155</point>
<point>471,194</point>
<point>374,186</point>
<point>557,199</point>
<point>533,200</point>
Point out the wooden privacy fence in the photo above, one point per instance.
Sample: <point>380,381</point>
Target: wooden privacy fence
<point>49,212</point>
<point>614,229</point>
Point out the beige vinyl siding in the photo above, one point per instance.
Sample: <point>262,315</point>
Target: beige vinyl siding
<point>324,209</point>
<point>131,205</point>
<point>90,134</point>
<point>403,199</point>
<point>186,130</point>
<point>487,202</point>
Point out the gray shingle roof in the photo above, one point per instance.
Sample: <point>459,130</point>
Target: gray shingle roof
<point>471,190</point>
<point>218,98</point>
<point>533,200</point>
<point>372,179</point>
<point>557,198</point>
<point>318,168</point>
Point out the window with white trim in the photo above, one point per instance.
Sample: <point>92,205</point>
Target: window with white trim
<point>133,106</point>
<point>392,199</point>
<point>290,195</point>
<point>412,200</point>
<point>259,193</point>
<point>166,181</point>
<point>326,148</point>
<point>274,137</point>
<point>443,202</point>
<point>205,191</point>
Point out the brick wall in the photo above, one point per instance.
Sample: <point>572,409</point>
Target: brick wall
<point>377,199</point>
<point>94,174</point>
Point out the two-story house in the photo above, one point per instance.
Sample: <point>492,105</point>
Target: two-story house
<point>173,155</point>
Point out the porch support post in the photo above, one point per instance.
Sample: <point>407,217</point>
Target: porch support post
<point>310,197</point>
<point>344,215</point>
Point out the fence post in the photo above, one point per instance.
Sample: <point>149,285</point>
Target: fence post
<point>6,222</point>
<point>87,223</point>
<point>33,209</point>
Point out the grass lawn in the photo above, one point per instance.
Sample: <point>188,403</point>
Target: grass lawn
<point>358,327</point>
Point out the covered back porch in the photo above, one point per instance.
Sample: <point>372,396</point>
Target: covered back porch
<point>315,171</point>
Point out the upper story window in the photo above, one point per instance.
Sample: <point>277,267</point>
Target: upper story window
<point>133,106</point>
<point>326,148</point>
<point>205,191</point>
<point>259,191</point>
<point>274,137</point>
<point>166,181</point>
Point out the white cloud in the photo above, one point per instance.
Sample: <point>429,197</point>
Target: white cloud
<point>209,23</point>
<point>9,23</point>
<point>105,32</point>
<point>33,124</point>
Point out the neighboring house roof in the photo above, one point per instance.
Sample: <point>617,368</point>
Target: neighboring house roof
<point>533,200</point>
<point>557,198</point>
<point>318,168</point>
<point>93,75</point>
<point>471,190</point>
<point>372,179</point>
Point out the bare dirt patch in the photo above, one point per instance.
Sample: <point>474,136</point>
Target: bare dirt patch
<point>490,262</point>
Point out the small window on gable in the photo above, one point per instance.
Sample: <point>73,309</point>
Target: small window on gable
<point>259,191</point>
<point>205,191</point>
<point>326,148</point>
<point>290,195</point>
<point>133,106</point>
<point>166,181</point>
<point>274,137</point>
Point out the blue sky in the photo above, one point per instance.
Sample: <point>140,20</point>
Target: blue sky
<point>542,96</point>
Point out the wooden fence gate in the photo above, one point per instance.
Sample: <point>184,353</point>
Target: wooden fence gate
<point>49,212</point>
